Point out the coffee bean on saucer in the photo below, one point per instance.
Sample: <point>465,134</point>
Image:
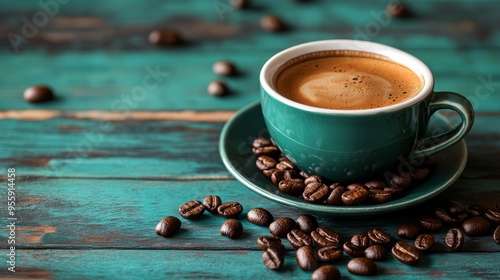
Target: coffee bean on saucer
<point>405,253</point>
<point>476,226</point>
<point>165,37</point>
<point>230,209</point>
<point>38,94</point>
<point>313,179</point>
<point>454,239</point>
<point>362,266</point>
<point>420,174</point>
<point>398,10</point>
<point>260,216</point>
<point>324,237</point>
<point>408,230</point>
<point>496,235</point>
<point>376,253</point>
<point>329,254</point>
<point>315,192</point>
<point>493,215</point>
<point>217,88</point>
<point>424,242</point>
<point>306,259</point>
<point>430,223</point>
<point>239,4</point>
<point>224,68</point>
<point>355,196</point>
<point>353,250</point>
<point>273,258</point>
<point>335,196</point>
<point>211,203</point>
<point>271,23</point>
<point>285,165</point>
<point>379,196</point>
<point>265,162</point>
<point>265,242</point>
<point>379,237</point>
<point>326,272</point>
<point>400,181</point>
<point>375,184</point>
<point>269,172</point>
<point>266,150</point>
<point>292,186</point>
<point>231,228</point>
<point>282,226</point>
<point>192,209</point>
<point>260,142</point>
<point>307,223</point>
<point>168,226</point>
<point>298,238</point>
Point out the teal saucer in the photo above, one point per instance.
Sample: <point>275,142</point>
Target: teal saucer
<point>247,124</point>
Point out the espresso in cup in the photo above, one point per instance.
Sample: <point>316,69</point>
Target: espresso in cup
<point>346,80</point>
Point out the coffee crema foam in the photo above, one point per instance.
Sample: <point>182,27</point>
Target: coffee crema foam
<point>346,80</point>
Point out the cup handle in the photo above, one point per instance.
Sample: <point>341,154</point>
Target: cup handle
<point>457,103</point>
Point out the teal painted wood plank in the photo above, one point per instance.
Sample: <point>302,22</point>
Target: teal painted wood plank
<point>240,264</point>
<point>68,147</point>
<point>99,214</point>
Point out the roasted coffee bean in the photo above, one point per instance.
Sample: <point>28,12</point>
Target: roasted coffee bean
<point>324,237</point>
<point>239,4</point>
<point>224,68</point>
<point>269,172</point>
<point>375,184</point>
<point>298,238</point>
<point>449,218</point>
<point>271,23</point>
<point>400,181</point>
<point>217,88</point>
<point>165,37</point>
<point>335,196</point>
<point>168,226</point>
<point>304,174</point>
<point>353,250</point>
<point>273,258</point>
<point>285,165</point>
<point>230,209</point>
<point>293,187</point>
<point>496,235</point>
<point>355,196</point>
<point>395,192</point>
<point>376,253</point>
<point>379,237</point>
<point>424,242</point>
<point>362,266</point>
<point>306,258</point>
<point>315,192</point>
<point>408,230</point>
<point>330,254</point>
<point>454,207</point>
<point>211,203</point>
<point>430,223</point>
<point>260,216</point>
<point>270,151</point>
<point>379,196</point>
<point>265,242</point>
<point>405,253</point>
<point>454,239</point>
<point>192,209</point>
<point>476,226</point>
<point>420,174</point>
<point>38,94</point>
<point>360,240</point>
<point>398,10</point>
<point>353,186</point>
<point>260,142</point>
<point>313,179</point>
<point>493,215</point>
<point>326,272</point>
<point>282,157</point>
<point>307,223</point>
<point>280,175</point>
<point>265,162</point>
<point>476,211</point>
<point>231,228</point>
<point>282,226</point>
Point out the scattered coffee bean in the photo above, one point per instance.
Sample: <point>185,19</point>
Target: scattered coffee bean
<point>217,88</point>
<point>362,266</point>
<point>271,23</point>
<point>38,94</point>
<point>315,192</point>
<point>239,4</point>
<point>265,242</point>
<point>408,230</point>
<point>424,242</point>
<point>476,226</point>
<point>326,272</point>
<point>493,215</point>
<point>306,258</point>
<point>224,68</point>
<point>379,196</point>
<point>330,254</point>
<point>307,223</point>
<point>231,228</point>
<point>298,238</point>
<point>454,239</point>
<point>454,207</point>
<point>260,217</point>
<point>282,226</point>
<point>335,197</point>
<point>353,250</point>
<point>355,196</point>
<point>211,203</point>
<point>376,253</point>
<point>360,240</point>
<point>192,209</point>
<point>448,218</point>
<point>265,162</point>
<point>324,237</point>
<point>168,226</point>
<point>496,235</point>
<point>273,258</point>
<point>379,237</point>
<point>292,186</point>
<point>398,10</point>
<point>165,37</point>
<point>476,211</point>
<point>405,253</point>
<point>430,223</point>
<point>230,209</point>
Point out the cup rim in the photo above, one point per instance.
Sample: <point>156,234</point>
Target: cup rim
<point>271,66</point>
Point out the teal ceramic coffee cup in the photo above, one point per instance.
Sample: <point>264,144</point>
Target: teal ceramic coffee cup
<point>347,145</point>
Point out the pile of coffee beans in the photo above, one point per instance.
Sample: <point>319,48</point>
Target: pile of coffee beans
<point>319,247</point>
<point>316,189</point>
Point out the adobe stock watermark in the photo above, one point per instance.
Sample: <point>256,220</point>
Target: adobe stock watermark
<point>31,26</point>
<point>222,7</point>
<point>483,90</point>
<point>92,138</point>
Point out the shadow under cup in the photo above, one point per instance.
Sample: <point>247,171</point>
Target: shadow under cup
<point>349,145</point>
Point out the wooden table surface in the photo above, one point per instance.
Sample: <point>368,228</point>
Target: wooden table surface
<point>98,167</point>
